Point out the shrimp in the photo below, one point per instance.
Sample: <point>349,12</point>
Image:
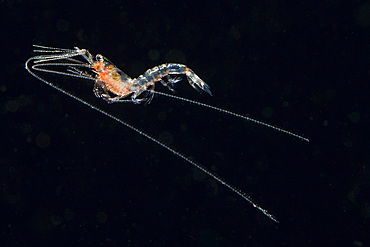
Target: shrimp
<point>113,85</point>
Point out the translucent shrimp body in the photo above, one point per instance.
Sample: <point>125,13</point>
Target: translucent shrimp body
<point>111,80</point>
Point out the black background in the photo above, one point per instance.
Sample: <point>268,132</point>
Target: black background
<point>73,177</point>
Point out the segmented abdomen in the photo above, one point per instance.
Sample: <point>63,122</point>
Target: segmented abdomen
<point>153,75</point>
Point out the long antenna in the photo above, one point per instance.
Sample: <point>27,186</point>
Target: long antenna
<point>232,114</point>
<point>244,195</point>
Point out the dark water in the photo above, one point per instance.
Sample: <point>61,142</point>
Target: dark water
<point>72,177</point>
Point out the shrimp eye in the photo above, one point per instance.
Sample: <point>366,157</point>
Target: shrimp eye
<point>99,58</point>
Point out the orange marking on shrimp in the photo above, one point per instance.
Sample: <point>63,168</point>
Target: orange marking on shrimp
<point>98,66</point>
<point>105,77</point>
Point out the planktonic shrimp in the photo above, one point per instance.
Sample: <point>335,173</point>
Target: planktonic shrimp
<point>113,85</point>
